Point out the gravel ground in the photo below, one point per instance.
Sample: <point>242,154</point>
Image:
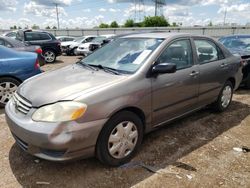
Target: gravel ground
<point>196,151</point>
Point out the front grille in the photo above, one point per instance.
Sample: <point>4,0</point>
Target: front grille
<point>21,104</point>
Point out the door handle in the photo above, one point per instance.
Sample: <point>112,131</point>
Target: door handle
<point>223,65</point>
<point>194,73</point>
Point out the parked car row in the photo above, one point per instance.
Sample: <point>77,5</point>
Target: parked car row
<point>104,104</point>
<point>85,45</point>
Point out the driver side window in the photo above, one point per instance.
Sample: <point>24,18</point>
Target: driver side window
<point>178,53</point>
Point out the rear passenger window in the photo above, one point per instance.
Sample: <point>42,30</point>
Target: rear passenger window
<point>179,53</point>
<point>44,36</point>
<point>207,51</point>
<point>32,36</point>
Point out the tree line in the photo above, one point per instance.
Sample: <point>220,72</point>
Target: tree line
<point>148,21</point>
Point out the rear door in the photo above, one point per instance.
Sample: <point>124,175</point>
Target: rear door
<point>176,93</point>
<point>213,69</point>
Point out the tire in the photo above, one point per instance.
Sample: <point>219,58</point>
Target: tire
<point>8,86</point>
<point>49,56</point>
<point>110,138</point>
<point>227,93</point>
<point>248,82</point>
<point>75,52</point>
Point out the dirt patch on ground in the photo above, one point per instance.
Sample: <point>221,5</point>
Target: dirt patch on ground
<point>196,151</point>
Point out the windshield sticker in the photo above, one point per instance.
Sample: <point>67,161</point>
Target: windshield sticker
<point>142,57</point>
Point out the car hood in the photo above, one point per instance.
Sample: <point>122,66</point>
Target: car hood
<point>69,43</point>
<point>67,83</point>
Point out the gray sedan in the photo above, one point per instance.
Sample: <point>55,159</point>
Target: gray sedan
<point>103,105</point>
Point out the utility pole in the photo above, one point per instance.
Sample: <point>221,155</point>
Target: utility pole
<point>57,16</point>
<point>225,16</point>
<point>156,6</point>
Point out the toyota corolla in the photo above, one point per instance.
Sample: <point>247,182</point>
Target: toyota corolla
<point>104,104</point>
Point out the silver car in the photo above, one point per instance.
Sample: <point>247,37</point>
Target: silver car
<point>103,105</point>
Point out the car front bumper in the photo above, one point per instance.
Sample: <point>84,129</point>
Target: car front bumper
<point>53,141</point>
<point>83,51</point>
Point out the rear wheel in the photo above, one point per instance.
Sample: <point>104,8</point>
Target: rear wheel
<point>49,56</point>
<point>120,138</point>
<point>225,97</point>
<point>248,82</point>
<point>8,86</point>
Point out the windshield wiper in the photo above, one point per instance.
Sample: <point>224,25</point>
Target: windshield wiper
<point>108,69</point>
<point>86,65</point>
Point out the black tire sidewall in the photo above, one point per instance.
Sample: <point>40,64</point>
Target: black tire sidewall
<point>8,79</point>
<point>102,143</point>
<point>248,82</point>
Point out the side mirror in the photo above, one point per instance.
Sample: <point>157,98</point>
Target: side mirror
<point>164,68</point>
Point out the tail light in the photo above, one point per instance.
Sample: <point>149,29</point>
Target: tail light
<point>37,65</point>
<point>39,51</point>
<point>243,62</point>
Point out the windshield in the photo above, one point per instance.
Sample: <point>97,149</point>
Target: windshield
<point>98,39</point>
<point>125,55</point>
<point>79,40</point>
<point>242,42</point>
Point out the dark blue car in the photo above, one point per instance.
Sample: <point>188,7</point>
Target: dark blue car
<point>240,45</point>
<point>15,67</point>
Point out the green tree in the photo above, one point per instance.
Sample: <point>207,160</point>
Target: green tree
<point>19,27</point>
<point>174,24</point>
<point>54,27</point>
<point>129,23</point>
<point>103,25</point>
<point>210,24</point>
<point>48,27</point>
<point>13,27</point>
<point>114,24</point>
<point>35,27</point>
<point>155,21</point>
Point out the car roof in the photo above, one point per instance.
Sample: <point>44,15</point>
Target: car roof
<point>64,36</point>
<point>163,35</point>
<point>154,35</point>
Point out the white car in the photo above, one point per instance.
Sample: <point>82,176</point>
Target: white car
<point>88,48</point>
<point>70,47</point>
<point>65,38</point>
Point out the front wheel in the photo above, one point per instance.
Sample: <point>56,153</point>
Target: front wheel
<point>120,139</point>
<point>75,52</point>
<point>49,56</point>
<point>8,86</point>
<point>225,97</point>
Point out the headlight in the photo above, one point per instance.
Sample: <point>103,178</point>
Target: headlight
<point>60,112</point>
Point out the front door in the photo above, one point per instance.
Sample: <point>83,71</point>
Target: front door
<point>174,94</point>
